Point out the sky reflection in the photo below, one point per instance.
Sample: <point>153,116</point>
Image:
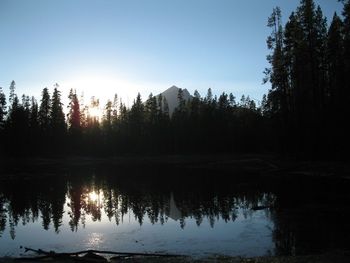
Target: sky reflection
<point>108,218</point>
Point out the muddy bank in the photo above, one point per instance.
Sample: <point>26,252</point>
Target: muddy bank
<point>333,257</point>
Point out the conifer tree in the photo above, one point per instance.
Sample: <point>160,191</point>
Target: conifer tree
<point>108,115</point>
<point>3,111</point>
<point>152,109</point>
<point>335,59</point>
<point>12,92</point>
<point>115,107</point>
<point>74,123</point>
<point>58,123</point>
<point>33,122</point>
<point>346,32</point>
<point>165,108</point>
<point>44,115</point>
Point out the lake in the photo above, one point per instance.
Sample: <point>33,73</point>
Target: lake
<point>172,210</point>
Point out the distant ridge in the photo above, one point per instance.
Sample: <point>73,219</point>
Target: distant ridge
<point>171,96</point>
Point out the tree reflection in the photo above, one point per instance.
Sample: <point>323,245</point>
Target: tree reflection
<point>24,202</point>
<point>93,196</point>
<point>3,216</point>
<point>160,200</point>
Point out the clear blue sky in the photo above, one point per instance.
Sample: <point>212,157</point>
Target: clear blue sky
<point>107,47</point>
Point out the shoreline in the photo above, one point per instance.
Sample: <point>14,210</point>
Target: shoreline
<point>265,165</point>
<point>339,256</point>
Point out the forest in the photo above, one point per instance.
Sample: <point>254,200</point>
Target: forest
<point>303,115</point>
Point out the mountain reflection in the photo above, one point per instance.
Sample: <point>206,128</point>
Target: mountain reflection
<point>45,201</point>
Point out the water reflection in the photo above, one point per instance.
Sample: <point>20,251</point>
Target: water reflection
<point>297,225</point>
<point>117,200</point>
<point>45,200</point>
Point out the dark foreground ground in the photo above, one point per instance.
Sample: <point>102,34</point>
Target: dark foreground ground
<point>336,257</point>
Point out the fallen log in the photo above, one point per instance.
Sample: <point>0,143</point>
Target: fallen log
<point>56,255</point>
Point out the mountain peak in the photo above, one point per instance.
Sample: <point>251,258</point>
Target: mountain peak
<point>171,96</point>
<point>173,88</point>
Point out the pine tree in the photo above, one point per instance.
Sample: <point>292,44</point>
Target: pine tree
<point>293,50</point>
<point>180,109</point>
<point>74,123</point>
<point>165,108</point>
<point>123,116</point>
<point>34,123</point>
<point>277,74</point>
<point>264,107</point>
<point>298,76</point>
<point>344,90</point>
<point>3,111</point>
<point>17,128</point>
<point>152,110</point>
<point>346,32</point>
<point>232,100</point>
<point>195,106</point>
<point>224,103</point>
<point>335,59</point>
<point>160,105</point>
<point>45,112</point>
<point>335,93</point>
<point>26,115</point>
<point>115,107</point>
<point>137,109</point>
<point>313,26</point>
<point>108,116</point>
<point>83,111</point>
<point>12,92</point>
<point>58,123</point>
<point>209,98</point>
<point>136,124</point>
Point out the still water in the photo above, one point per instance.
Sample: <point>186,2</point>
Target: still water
<point>176,212</point>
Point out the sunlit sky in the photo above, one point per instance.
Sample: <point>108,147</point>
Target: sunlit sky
<point>102,47</point>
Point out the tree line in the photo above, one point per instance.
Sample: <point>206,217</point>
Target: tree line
<point>201,124</point>
<point>304,112</point>
<point>310,75</point>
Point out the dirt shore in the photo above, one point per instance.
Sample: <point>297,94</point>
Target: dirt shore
<point>334,257</point>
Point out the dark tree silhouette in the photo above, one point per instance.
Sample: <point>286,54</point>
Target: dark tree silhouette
<point>136,127</point>
<point>12,92</point>
<point>346,32</point>
<point>74,122</point>
<point>308,88</point>
<point>44,116</point>
<point>17,122</point>
<point>3,111</point>
<point>58,123</point>
<point>44,120</point>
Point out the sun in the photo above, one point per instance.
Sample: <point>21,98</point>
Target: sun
<point>95,112</point>
<point>93,196</point>
<point>103,86</point>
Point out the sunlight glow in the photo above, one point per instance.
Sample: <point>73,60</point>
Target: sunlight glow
<point>93,196</point>
<point>95,112</point>
<point>103,87</point>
